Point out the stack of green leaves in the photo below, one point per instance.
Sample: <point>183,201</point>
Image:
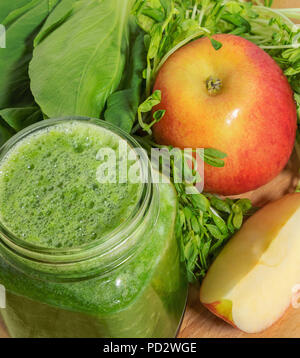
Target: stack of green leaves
<point>206,223</point>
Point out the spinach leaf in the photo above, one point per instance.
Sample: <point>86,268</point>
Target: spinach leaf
<point>122,105</point>
<point>79,65</point>
<point>63,10</point>
<point>7,6</point>
<point>21,26</point>
<point>5,132</point>
<point>20,118</point>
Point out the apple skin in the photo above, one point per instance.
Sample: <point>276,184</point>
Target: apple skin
<point>252,119</point>
<point>222,309</point>
<point>250,284</point>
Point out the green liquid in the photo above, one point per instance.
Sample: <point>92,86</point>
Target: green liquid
<point>60,203</point>
<point>144,297</point>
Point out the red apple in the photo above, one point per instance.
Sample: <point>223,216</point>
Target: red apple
<point>237,100</point>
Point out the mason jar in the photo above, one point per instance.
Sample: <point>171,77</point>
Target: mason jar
<point>128,283</point>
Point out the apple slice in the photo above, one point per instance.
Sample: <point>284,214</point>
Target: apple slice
<point>257,275</point>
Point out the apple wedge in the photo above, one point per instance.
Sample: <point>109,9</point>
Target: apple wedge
<point>257,275</point>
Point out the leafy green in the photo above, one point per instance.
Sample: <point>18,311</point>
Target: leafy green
<point>21,26</point>
<point>7,6</point>
<point>205,221</point>
<point>5,132</point>
<point>146,107</point>
<point>202,233</point>
<point>79,65</point>
<point>62,12</point>
<point>20,118</point>
<point>122,105</point>
<point>216,44</point>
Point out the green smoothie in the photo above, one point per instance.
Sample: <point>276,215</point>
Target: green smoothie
<point>51,199</point>
<point>49,193</point>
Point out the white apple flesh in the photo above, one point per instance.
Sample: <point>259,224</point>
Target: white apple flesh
<point>256,276</point>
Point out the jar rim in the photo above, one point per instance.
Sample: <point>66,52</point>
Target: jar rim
<point>105,243</point>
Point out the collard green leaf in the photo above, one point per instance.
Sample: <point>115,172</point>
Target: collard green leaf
<point>85,58</point>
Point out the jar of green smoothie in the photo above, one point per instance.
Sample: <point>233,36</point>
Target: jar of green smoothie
<point>81,257</point>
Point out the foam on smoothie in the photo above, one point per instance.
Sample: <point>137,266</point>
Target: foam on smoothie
<point>49,193</point>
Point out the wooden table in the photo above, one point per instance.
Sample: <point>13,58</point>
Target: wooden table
<point>198,322</point>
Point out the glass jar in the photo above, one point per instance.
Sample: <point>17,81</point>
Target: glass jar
<point>130,283</point>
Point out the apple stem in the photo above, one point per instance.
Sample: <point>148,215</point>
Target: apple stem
<point>213,85</point>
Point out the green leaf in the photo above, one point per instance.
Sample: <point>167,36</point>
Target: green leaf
<point>22,25</point>
<point>187,212</point>
<point>63,10</point>
<point>152,101</point>
<point>230,225</point>
<point>215,153</point>
<point>158,115</point>
<point>238,219</point>
<point>218,163</point>
<point>5,132</point>
<point>20,118</point>
<point>7,6</point>
<point>205,249</point>
<point>156,35</point>
<point>84,57</point>
<point>220,204</point>
<point>214,157</point>
<point>268,3</point>
<point>122,105</point>
<point>220,223</point>
<point>238,21</point>
<point>244,204</point>
<point>216,44</point>
<point>195,225</point>
<point>200,201</point>
<point>154,14</point>
<point>215,232</point>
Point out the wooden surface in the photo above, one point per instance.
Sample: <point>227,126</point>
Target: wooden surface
<point>198,322</point>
